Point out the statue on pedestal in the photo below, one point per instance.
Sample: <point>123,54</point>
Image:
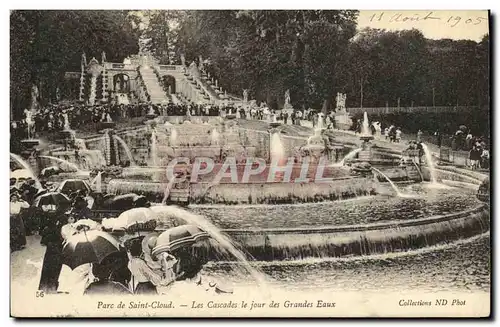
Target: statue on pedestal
<point>245,95</point>
<point>29,122</point>
<point>288,104</point>
<point>341,99</point>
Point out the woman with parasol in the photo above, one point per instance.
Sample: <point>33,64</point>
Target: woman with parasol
<point>189,247</point>
<point>103,281</point>
<point>95,257</point>
<point>145,279</point>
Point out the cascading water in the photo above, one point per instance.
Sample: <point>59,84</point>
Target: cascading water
<point>419,171</point>
<point>27,167</point>
<point>96,183</point>
<point>70,165</point>
<point>223,241</point>
<point>215,137</point>
<point>126,149</point>
<point>276,148</point>
<point>167,190</point>
<point>173,137</point>
<point>154,149</point>
<point>80,144</point>
<point>321,124</point>
<point>95,157</point>
<point>348,156</point>
<point>365,127</point>
<point>93,88</point>
<point>398,192</point>
<point>66,122</point>
<point>430,164</point>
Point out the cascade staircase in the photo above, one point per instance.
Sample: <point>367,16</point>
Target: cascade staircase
<point>155,90</point>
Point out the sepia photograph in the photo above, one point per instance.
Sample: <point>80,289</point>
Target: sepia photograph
<point>250,163</point>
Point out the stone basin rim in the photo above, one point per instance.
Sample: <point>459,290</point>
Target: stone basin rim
<point>360,228</point>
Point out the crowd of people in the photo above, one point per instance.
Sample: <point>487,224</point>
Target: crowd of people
<point>124,272</point>
<point>29,215</point>
<point>130,270</point>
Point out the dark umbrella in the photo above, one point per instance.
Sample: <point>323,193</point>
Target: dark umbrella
<point>73,185</point>
<point>88,247</point>
<point>126,201</point>
<point>57,199</point>
<point>178,237</point>
<point>41,192</point>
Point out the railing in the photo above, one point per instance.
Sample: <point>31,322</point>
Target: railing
<point>111,66</point>
<point>211,94</point>
<point>388,110</point>
<point>170,67</point>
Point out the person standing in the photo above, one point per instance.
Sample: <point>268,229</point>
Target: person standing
<point>439,138</point>
<point>298,117</point>
<point>469,141</point>
<point>17,229</point>
<point>474,157</point>
<point>398,135</point>
<point>485,159</point>
<point>53,240</point>
<point>419,136</point>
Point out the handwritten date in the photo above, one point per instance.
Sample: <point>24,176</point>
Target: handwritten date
<point>452,21</point>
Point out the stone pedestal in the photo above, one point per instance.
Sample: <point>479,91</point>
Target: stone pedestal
<point>366,148</point>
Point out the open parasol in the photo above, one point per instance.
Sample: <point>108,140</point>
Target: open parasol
<point>55,200</point>
<point>178,237</point>
<point>136,219</point>
<point>69,186</point>
<point>88,247</point>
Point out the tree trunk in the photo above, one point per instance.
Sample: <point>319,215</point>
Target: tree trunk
<point>361,93</point>
<point>326,104</point>
<point>269,98</point>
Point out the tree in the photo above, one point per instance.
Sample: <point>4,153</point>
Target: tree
<point>45,44</point>
<point>270,51</point>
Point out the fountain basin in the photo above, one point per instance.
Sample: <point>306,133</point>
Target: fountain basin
<point>252,193</point>
<point>341,241</point>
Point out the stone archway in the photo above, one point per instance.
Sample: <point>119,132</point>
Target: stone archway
<point>121,83</point>
<point>169,83</point>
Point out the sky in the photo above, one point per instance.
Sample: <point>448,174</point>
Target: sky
<point>455,24</point>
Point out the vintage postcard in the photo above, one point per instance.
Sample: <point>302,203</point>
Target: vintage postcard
<point>249,163</point>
